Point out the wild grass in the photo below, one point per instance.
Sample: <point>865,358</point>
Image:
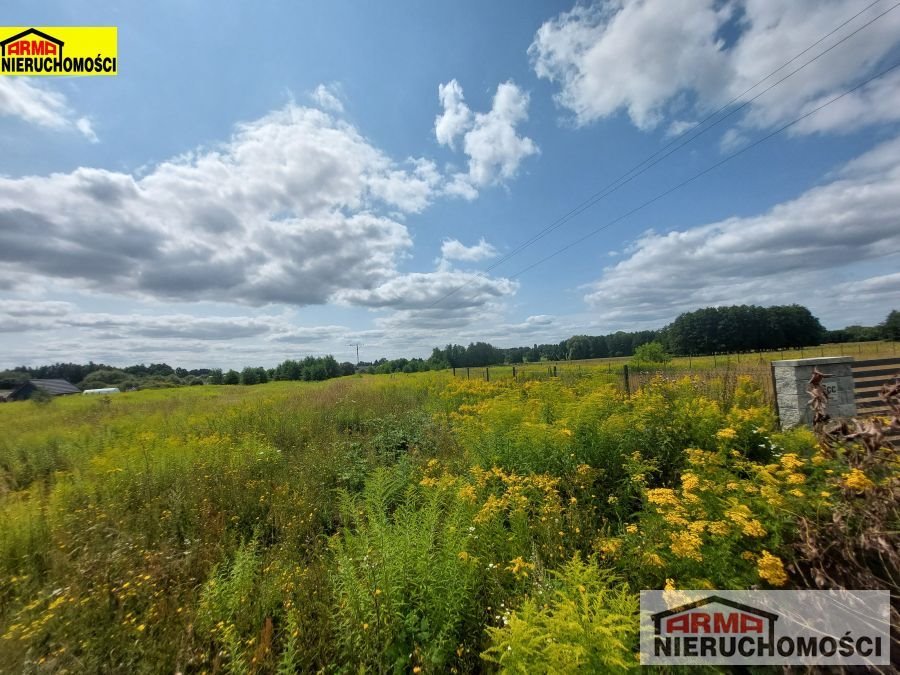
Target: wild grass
<point>408,523</point>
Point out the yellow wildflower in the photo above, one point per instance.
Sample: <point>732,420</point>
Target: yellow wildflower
<point>690,481</point>
<point>653,559</point>
<point>662,497</point>
<point>670,585</point>
<point>686,545</point>
<point>719,528</point>
<point>857,480</point>
<point>631,529</point>
<point>467,493</point>
<point>771,569</point>
<point>796,478</point>
<point>698,526</point>
<point>790,461</point>
<point>519,567</point>
<point>608,546</point>
<point>753,528</point>
<point>726,434</point>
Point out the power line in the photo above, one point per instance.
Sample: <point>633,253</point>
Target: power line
<point>655,158</point>
<point>705,171</point>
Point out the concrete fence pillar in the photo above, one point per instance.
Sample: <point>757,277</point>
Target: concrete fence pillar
<point>791,377</point>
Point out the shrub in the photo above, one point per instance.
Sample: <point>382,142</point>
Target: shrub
<point>584,619</point>
<point>648,354</point>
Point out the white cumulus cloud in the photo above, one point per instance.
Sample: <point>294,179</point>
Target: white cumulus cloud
<point>453,249</point>
<point>652,60</point>
<point>39,105</point>
<point>490,140</point>
<point>828,248</point>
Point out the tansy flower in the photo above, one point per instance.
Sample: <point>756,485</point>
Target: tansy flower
<point>719,528</point>
<point>726,434</point>
<point>771,569</point>
<point>689,481</point>
<point>857,480</point>
<point>686,545</point>
<point>791,461</point>
<point>631,529</point>
<point>753,528</point>
<point>662,497</point>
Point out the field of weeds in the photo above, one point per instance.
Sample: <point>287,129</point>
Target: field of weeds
<point>415,523</point>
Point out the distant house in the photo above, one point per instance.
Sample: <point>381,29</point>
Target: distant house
<point>52,387</point>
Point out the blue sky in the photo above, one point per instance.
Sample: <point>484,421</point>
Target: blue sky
<point>280,179</point>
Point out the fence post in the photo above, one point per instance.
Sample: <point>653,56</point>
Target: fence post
<point>467,373</point>
<point>554,370</point>
<point>516,379</point>
<point>454,371</point>
<point>775,394</point>
<point>625,378</point>
<point>487,374</point>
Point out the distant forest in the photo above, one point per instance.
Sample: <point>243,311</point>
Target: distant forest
<point>738,328</point>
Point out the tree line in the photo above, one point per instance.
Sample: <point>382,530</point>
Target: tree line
<point>711,330</point>
<point>309,369</point>
<point>737,328</point>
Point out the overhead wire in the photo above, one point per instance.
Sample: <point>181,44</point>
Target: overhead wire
<point>708,169</point>
<point>658,156</point>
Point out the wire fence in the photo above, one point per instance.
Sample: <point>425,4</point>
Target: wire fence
<point>718,381</point>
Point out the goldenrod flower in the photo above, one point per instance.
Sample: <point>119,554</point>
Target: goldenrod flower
<point>726,434</point>
<point>653,559</point>
<point>519,567</point>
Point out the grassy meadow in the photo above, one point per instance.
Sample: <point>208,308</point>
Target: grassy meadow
<point>407,523</point>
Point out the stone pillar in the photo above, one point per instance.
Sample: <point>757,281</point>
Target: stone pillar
<point>791,398</point>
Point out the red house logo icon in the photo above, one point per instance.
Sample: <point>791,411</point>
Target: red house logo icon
<point>31,42</point>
